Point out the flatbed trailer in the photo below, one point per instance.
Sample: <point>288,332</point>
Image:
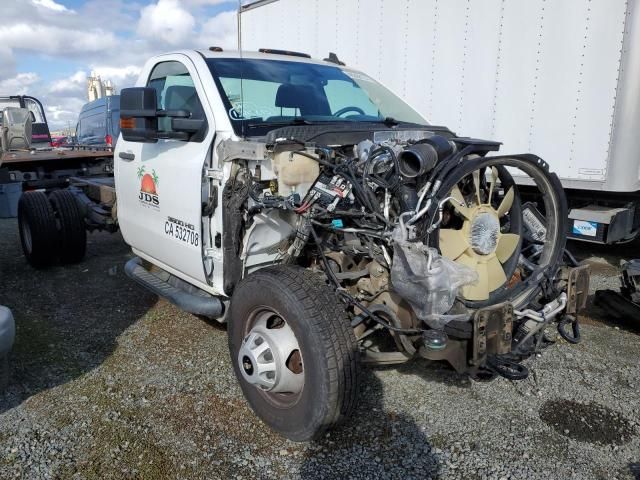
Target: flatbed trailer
<point>39,168</point>
<point>72,153</point>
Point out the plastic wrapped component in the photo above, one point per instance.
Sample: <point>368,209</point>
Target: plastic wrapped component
<point>428,281</point>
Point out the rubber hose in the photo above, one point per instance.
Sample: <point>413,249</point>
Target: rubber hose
<point>575,326</point>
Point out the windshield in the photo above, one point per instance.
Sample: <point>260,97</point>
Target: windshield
<point>265,94</point>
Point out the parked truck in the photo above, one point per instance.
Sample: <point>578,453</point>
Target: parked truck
<point>557,78</point>
<point>327,223</point>
<point>99,122</point>
<point>70,189</point>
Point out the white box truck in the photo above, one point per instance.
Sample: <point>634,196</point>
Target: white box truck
<point>556,78</point>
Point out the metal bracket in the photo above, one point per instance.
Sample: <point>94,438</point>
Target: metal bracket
<point>492,332</point>
<point>213,253</point>
<point>228,150</point>
<point>479,339</point>
<point>577,288</point>
<point>214,174</point>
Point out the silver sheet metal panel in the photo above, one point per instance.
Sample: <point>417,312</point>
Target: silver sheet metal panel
<point>549,77</point>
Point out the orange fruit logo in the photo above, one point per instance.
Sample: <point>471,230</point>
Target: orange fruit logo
<point>148,181</point>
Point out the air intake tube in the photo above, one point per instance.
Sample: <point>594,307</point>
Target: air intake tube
<point>416,160</point>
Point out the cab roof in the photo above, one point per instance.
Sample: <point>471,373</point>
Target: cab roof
<point>263,56</point>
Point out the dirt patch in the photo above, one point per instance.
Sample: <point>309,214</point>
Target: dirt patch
<point>600,266</point>
<point>587,422</point>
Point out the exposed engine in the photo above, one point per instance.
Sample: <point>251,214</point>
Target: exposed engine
<point>429,242</point>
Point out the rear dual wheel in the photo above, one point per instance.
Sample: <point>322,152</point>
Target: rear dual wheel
<point>293,351</point>
<point>70,222</point>
<point>38,231</point>
<point>51,228</point>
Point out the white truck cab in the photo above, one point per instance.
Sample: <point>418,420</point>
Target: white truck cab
<point>324,219</point>
<point>162,187</point>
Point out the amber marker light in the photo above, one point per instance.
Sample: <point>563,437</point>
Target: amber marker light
<point>127,123</point>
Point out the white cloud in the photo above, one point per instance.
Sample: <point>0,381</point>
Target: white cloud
<point>7,62</point>
<point>54,40</point>
<point>118,75</point>
<point>221,31</point>
<point>166,20</point>
<point>62,114</point>
<point>73,84</point>
<point>209,2</point>
<point>51,5</point>
<point>18,85</point>
<point>114,38</point>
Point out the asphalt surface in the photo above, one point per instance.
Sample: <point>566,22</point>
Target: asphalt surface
<point>110,382</point>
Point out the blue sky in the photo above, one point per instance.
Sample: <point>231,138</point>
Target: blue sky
<point>48,47</point>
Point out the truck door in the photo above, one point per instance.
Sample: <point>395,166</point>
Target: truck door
<point>159,185</point>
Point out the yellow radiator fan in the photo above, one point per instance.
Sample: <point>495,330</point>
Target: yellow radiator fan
<point>479,244</point>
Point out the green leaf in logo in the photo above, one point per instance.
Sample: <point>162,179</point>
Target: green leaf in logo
<point>154,176</point>
<point>141,171</point>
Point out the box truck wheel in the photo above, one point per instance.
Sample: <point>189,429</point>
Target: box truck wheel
<point>293,351</point>
<point>38,231</point>
<point>73,236</point>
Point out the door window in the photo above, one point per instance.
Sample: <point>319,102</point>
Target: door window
<point>35,109</point>
<point>175,90</point>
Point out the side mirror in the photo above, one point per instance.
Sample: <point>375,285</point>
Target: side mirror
<point>139,118</point>
<point>138,115</point>
<point>187,125</point>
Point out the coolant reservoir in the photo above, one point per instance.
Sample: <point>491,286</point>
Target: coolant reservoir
<point>296,173</point>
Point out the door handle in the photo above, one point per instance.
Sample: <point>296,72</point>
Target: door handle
<point>127,156</point>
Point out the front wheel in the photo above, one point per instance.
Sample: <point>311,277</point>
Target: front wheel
<point>293,351</point>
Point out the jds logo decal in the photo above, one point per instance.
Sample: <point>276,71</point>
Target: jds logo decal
<point>148,195</point>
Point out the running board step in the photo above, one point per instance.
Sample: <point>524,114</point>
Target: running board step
<point>205,305</point>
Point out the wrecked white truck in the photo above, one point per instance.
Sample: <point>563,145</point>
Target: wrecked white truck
<point>329,224</point>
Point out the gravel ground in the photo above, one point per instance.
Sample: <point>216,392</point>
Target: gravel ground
<point>109,382</point>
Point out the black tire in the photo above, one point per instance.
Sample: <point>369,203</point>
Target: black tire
<point>38,232</point>
<point>327,345</point>
<point>73,236</point>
